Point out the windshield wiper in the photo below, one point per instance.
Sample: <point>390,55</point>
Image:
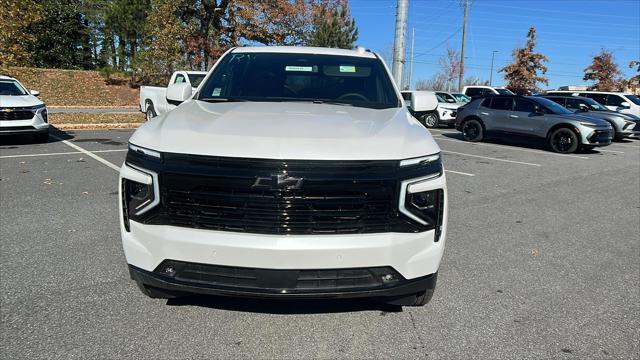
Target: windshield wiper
<point>223,99</point>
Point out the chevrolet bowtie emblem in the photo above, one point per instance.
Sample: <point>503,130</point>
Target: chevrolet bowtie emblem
<point>278,182</point>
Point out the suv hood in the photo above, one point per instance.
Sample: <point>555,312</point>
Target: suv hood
<point>287,130</point>
<point>19,101</point>
<point>585,117</point>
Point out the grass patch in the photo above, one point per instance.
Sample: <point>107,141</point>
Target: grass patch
<point>103,118</point>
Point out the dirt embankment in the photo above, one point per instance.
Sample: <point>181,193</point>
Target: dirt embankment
<point>78,88</point>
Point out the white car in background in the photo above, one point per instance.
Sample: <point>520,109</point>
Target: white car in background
<point>153,99</point>
<point>614,101</point>
<point>447,108</point>
<point>21,112</point>
<point>423,105</point>
<point>461,98</point>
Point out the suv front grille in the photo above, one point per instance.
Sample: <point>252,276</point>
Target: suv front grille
<point>236,194</point>
<point>15,114</point>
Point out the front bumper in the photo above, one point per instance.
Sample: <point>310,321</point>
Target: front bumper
<point>37,123</point>
<point>274,284</point>
<point>598,137</point>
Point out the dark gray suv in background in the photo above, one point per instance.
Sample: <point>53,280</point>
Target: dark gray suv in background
<point>533,117</point>
<point>623,124</point>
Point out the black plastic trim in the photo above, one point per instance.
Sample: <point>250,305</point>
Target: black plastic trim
<point>167,284</point>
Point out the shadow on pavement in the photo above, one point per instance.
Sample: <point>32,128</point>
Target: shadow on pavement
<point>284,307</point>
<point>26,139</point>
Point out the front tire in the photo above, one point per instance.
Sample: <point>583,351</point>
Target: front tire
<point>564,141</point>
<point>430,120</point>
<point>472,130</point>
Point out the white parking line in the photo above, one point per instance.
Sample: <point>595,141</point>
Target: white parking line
<point>626,145</point>
<point>59,153</point>
<point>515,148</point>
<point>491,158</point>
<point>459,173</point>
<point>88,153</point>
<point>611,151</point>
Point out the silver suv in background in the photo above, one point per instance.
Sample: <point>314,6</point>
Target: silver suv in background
<point>623,124</point>
<point>534,117</point>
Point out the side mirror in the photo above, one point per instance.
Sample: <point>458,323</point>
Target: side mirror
<point>178,93</point>
<point>34,92</point>
<point>625,105</point>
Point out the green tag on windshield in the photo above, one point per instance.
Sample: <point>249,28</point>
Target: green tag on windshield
<point>347,69</point>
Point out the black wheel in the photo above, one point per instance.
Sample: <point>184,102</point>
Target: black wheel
<point>151,112</point>
<point>41,137</point>
<point>472,130</point>
<point>615,136</point>
<point>430,120</point>
<point>564,141</point>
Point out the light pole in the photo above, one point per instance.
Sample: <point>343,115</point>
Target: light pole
<point>493,55</point>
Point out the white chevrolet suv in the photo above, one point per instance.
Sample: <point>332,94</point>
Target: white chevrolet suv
<point>21,112</point>
<point>292,172</point>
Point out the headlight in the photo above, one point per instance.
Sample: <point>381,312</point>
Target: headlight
<point>144,151</point>
<point>588,124</point>
<point>42,109</point>
<point>139,192</point>
<point>419,200</point>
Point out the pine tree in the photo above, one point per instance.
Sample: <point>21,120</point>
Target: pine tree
<point>522,75</point>
<point>59,35</point>
<point>603,70</point>
<point>333,26</point>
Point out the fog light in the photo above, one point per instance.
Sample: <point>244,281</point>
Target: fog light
<point>387,278</point>
<point>169,271</point>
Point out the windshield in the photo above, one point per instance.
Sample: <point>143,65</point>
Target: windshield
<point>594,105</point>
<point>196,79</point>
<point>349,80</point>
<point>554,107</point>
<point>462,98</point>
<point>504,92</point>
<point>11,88</point>
<point>634,99</point>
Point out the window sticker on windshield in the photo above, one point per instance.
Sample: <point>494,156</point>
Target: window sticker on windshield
<point>298,68</point>
<point>347,69</point>
<point>216,92</point>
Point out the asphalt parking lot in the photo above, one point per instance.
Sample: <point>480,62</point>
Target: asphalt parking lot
<point>542,261</point>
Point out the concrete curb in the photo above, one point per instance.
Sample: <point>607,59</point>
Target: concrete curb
<point>97,126</point>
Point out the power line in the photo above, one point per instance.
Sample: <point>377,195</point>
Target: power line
<point>563,12</point>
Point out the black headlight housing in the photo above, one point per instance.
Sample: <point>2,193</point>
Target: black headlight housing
<point>428,206</point>
<point>135,198</point>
